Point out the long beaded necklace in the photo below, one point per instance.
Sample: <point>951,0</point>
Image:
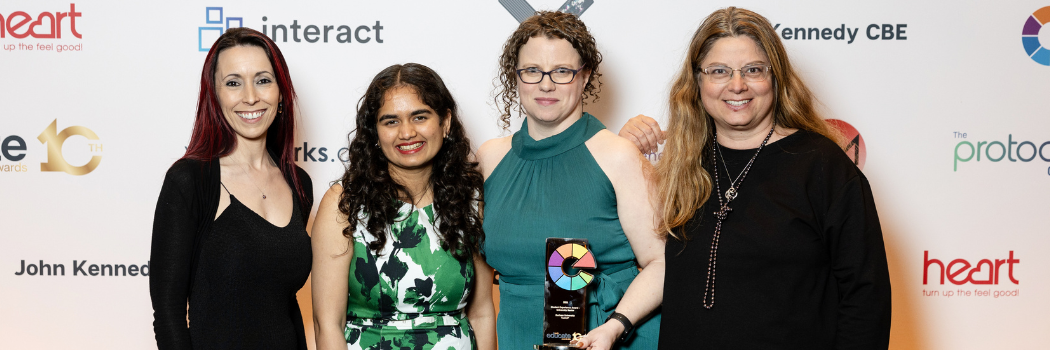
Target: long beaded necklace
<point>724,209</point>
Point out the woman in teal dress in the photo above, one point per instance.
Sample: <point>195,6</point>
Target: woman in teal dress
<point>396,241</point>
<point>564,175</point>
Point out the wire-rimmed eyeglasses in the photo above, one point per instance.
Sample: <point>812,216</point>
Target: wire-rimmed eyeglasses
<point>751,73</point>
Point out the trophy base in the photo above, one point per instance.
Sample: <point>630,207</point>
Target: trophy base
<point>554,346</point>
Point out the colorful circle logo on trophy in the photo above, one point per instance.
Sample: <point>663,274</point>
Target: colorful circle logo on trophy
<point>576,257</point>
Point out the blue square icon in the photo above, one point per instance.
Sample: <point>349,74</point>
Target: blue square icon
<point>213,15</point>
<point>234,22</point>
<point>206,36</point>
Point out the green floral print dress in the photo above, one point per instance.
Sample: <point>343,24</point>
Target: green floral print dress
<point>412,294</point>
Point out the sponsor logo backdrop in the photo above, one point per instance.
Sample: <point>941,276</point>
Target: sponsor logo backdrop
<point>97,100</point>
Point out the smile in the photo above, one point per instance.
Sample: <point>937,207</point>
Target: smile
<point>251,115</point>
<point>410,147</point>
<point>737,103</point>
<point>546,101</point>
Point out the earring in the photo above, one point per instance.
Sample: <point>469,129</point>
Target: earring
<point>280,107</point>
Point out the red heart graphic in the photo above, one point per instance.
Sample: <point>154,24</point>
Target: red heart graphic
<point>51,32</point>
<point>991,272</point>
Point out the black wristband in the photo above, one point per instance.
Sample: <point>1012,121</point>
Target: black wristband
<point>627,325</point>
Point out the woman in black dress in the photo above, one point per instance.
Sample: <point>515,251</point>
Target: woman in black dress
<point>776,240</point>
<point>229,233</point>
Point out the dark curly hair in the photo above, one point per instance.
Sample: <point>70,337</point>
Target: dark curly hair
<point>553,25</point>
<point>455,179</point>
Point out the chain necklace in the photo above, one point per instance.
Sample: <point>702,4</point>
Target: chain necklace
<point>724,209</point>
<point>731,192</point>
<point>253,181</point>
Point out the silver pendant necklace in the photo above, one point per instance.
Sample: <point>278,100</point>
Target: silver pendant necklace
<point>252,180</point>
<point>724,209</point>
<point>731,192</point>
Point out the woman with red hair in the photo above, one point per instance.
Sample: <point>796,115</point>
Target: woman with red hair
<point>229,232</point>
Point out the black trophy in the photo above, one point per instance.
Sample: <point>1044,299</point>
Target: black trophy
<point>565,292</point>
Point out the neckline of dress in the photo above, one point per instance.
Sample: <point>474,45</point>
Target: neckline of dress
<point>413,206</point>
<point>233,199</point>
<point>579,132</point>
<point>781,142</point>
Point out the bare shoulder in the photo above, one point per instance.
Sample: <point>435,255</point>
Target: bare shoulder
<point>492,152</point>
<point>328,213</point>
<point>615,154</point>
<point>331,197</point>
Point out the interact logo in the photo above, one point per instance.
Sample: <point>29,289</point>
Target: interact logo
<point>280,33</point>
<point>13,149</point>
<point>854,143</point>
<point>1030,36</point>
<point>522,10</point>
<point>207,35</point>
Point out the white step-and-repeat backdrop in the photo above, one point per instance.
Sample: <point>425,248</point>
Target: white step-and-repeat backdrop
<point>951,100</point>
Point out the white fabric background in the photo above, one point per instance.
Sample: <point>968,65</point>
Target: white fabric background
<point>135,84</point>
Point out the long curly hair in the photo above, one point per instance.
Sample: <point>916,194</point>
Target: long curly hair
<point>457,184</point>
<point>553,25</point>
<point>683,185</point>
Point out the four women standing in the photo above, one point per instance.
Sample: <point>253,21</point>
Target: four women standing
<point>399,256</point>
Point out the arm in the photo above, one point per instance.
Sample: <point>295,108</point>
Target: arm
<point>644,132</point>
<point>171,251</point>
<point>630,175</point>
<point>331,267</point>
<point>480,311</point>
<point>859,267</point>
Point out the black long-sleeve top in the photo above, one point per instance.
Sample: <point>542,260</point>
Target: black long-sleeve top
<point>182,229</point>
<point>801,262</point>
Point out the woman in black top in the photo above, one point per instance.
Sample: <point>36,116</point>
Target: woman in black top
<point>776,240</point>
<point>229,233</point>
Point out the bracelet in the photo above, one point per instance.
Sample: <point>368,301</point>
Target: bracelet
<point>627,325</point>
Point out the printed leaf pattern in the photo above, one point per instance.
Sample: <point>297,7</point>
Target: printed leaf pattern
<point>411,275</point>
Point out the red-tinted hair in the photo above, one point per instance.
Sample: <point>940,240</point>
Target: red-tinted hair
<point>213,137</point>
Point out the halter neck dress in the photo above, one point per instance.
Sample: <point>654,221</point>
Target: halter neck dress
<point>554,188</point>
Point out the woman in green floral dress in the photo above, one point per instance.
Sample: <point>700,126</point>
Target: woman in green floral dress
<point>396,240</point>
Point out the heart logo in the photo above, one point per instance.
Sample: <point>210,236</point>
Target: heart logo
<point>51,26</point>
<point>991,272</point>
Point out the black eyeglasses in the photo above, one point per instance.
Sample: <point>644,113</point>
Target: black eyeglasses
<point>558,75</point>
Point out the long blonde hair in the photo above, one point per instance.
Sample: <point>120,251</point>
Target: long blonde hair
<point>683,186</point>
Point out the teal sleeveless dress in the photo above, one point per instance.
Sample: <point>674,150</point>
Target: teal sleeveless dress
<point>555,188</point>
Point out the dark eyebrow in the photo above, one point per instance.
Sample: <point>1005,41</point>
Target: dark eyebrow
<point>236,75</point>
<point>414,113</point>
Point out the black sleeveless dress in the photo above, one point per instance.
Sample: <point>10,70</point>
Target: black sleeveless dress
<point>248,273</point>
